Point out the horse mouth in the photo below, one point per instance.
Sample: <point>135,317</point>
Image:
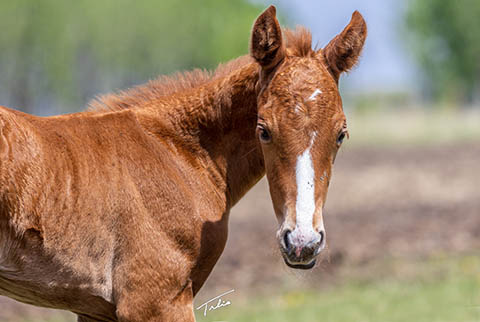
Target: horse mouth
<point>300,265</point>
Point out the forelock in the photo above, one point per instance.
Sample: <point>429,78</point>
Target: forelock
<point>299,42</point>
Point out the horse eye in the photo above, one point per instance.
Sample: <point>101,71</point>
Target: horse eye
<point>340,138</point>
<point>264,135</point>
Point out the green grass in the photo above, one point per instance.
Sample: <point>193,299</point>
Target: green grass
<point>452,296</point>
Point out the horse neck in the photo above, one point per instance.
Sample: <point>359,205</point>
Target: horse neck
<point>215,123</point>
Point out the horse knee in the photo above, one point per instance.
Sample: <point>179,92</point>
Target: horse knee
<point>143,308</point>
<point>162,313</point>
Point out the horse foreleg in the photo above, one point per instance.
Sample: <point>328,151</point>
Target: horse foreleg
<point>143,308</point>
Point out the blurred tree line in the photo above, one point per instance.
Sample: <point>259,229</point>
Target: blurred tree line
<point>55,55</point>
<point>445,38</point>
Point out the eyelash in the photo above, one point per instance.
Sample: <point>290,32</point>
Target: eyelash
<point>341,136</point>
<point>263,134</point>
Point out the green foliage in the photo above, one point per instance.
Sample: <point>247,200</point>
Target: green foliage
<point>64,52</point>
<point>445,39</point>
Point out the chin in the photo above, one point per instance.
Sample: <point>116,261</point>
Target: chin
<point>308,265</point>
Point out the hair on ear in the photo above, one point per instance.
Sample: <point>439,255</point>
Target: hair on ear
<point>342,52</point>
<point>266,44</point>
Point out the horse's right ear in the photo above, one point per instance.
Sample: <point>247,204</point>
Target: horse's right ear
<point>266,44</point>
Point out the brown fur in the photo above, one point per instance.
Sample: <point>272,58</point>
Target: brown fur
<point>154,90</point>
<point>120,213</point>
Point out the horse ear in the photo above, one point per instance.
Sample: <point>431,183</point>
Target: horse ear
<point>342,52</point>
<point>266,44</point>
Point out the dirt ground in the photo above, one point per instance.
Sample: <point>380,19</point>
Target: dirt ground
<point>394,202</point>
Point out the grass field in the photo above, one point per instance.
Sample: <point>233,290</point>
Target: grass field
<point>441,290</point>
<point>445,291</point>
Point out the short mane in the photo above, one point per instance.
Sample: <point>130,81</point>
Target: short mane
<point>298,42</point>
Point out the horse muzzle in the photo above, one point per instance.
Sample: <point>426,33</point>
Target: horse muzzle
<point>300,248</point>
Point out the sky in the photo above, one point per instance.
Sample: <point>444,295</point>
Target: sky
<point>385,64</point>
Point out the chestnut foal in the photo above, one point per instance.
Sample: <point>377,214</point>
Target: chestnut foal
<point>120,213</point>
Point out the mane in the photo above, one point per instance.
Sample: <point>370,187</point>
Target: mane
<point>298,43</point>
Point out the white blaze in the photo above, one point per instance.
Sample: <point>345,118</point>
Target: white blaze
<point>314,94</point>
<point>305,177</point>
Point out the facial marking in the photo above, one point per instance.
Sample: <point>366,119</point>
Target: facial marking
<point>314,94</point>
<point>305,179</point>
<point>324,176</point>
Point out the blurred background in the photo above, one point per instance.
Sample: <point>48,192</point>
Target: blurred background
<point>403,212</point>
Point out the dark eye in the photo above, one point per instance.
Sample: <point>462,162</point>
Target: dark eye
<point>264,135</point>
<point>340,138</point>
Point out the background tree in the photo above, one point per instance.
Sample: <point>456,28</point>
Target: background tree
<point>56,55</point>
<point>445,39</point>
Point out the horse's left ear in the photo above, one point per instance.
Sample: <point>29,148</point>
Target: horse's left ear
<point>266,44</point>
<point>342,52</point>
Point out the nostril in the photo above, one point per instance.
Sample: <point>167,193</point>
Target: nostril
<point>322,237</point>
<point>285,239</point>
